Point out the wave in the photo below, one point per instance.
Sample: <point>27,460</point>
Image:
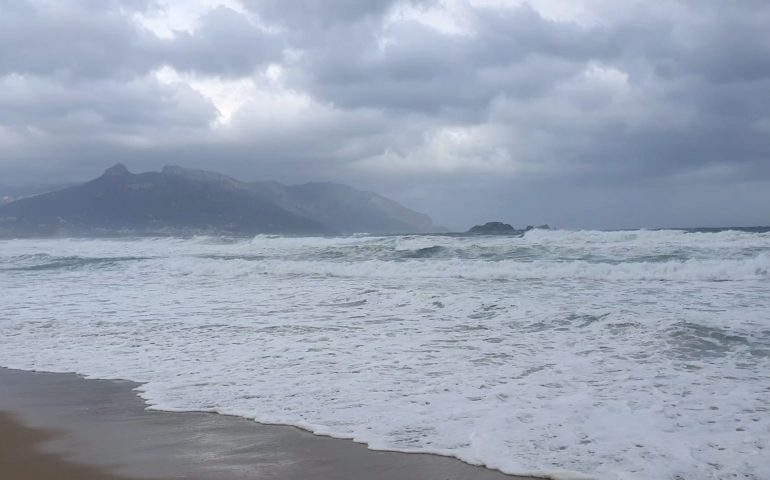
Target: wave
<point>579,350</point>
<point>668,255</point>
<point>39,262</point>
<point>649,237</point>
<point>752,268</point>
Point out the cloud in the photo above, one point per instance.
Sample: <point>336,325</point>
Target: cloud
<point>592,105</point>
<point>225,43</point>
<point>318,13</point>
<point>86,39</point>
<point>72,39</point>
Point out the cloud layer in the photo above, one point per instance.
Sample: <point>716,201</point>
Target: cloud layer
<point>583,113</point>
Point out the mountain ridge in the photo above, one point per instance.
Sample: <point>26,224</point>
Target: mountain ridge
<point>179,200</point>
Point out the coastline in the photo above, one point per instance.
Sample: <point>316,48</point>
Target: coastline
<point>102,430</point>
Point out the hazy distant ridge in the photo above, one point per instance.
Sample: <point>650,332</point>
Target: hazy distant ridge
<point>179,200</point>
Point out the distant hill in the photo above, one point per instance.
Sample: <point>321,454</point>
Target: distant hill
<point>185,201</point>
<point>345,209</point>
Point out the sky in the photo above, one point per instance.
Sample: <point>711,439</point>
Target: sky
<point>576,113</point>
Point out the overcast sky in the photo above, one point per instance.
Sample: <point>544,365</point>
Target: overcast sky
<point>579,113</point>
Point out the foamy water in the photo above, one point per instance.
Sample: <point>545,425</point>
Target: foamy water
<point>613,355</point>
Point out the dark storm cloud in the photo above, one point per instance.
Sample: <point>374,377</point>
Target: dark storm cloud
<point>88,39</point>
<point>420,68</point>
<point>106,106</point>
<point>226,43</point>
<point>304,13</point>
<point>83,39</point>
<point>650,100</point>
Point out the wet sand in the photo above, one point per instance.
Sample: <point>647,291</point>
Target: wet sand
<point>21,458</point>
<point>79,429</point>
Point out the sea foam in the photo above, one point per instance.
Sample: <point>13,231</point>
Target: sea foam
<point>611,355</point>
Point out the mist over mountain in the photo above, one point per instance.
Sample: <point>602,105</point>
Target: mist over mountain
<point>177,200</point>
<point>10,193</point>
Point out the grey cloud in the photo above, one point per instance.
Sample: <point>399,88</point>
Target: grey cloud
<point>103,107</point>
<point>72,39</point>
<point>428,69</point>
<point>94,40</point>
<point>514,52</point>
<point>659,104</point>
<point>226,43</point>
<point>725,43</point>
<point>318,13</point>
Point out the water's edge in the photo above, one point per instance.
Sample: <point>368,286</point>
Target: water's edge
<point>44,411</point>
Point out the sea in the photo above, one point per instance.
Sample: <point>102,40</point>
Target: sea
<point>613,355</point>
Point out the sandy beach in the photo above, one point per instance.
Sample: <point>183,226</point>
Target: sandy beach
<point>61,426</point>
<point>21,457</point>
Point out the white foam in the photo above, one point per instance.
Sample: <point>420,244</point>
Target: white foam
<point>622,355</point>
<point>752,268</point>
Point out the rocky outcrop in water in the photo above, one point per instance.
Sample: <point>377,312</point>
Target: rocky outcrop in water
<point>493,228</point>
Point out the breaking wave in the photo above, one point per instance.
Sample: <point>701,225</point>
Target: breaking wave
<point>622,355</point>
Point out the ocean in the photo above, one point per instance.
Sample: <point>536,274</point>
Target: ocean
<point>577,354</point>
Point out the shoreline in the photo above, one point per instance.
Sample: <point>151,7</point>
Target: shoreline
<point>108,431</point>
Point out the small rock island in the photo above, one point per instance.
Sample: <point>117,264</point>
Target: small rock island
<point>493,228</point>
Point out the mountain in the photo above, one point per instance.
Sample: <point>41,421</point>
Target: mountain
<point>345,209</point>
<point>184,201</point>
